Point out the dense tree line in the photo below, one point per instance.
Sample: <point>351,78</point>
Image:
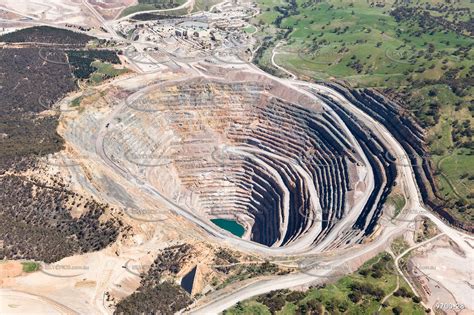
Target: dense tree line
<point>31,84</point>
<point>151,16</point>
<point>27,136</point>
<point>35,221</point>
<point>166,298</point>
<point>155,296</point>
<point>429,23</point>
<point>47,34</point>
<point>285,11</point>
<point>169,261</point>
<point>35,218</point>
<point>32,80</point>
<point>160,4</point>
<point>81,61</point>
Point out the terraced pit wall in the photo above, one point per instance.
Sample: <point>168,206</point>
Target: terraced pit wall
<point>385,171</point>
<point>248,148</point>
<point>411,137</point>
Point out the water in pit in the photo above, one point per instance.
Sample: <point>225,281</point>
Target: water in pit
<point>230,225</point>
<point>188,280</point>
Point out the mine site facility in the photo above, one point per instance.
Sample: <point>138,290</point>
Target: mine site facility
<point>194,133</point>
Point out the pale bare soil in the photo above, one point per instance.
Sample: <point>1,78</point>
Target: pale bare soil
<point>443,273</point>
<point>111,8</point>
<point>51,11</point>
<point>79,284</point>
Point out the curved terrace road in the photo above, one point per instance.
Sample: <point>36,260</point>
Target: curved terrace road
<point>188,3</point>
<point>414,202</point>
<point>223,300</point>
<point>302,247</point>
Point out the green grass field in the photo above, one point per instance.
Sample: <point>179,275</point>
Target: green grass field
<point>365,45</point>
<point>137,8</point>
<point>30,266</point>
<point>250,29</point>
<point>76,102</point>
<point>327,37</point>
<point>399,245</point>
<point>397,201</point>
<point>148,6</point>
<point>456,175</point>
<point>377,276</point>
<point>203,5</point>
<point>104,71</point>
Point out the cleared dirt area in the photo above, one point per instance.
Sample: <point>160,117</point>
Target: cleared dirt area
<point>199,133</point>
<point>112,8</point>
<point>444,275</point>
<point>53,11</point>
<point>14,302</point>
<point>8,271</point>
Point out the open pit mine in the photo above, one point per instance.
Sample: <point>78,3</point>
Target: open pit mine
<point>182,178</point>
<point>294,168</point>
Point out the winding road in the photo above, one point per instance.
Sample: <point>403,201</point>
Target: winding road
<point>188,3</point>
<point>311,272</point>
<point>383,240</point>
<point>224,300</point>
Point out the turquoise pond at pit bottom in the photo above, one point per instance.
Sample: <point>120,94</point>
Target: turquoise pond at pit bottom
<point>230,225</point>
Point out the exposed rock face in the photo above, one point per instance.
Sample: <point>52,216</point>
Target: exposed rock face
<point>280,162</point>
<point>295,168</point>
<point>410,135</point>
<point>385,171</point>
